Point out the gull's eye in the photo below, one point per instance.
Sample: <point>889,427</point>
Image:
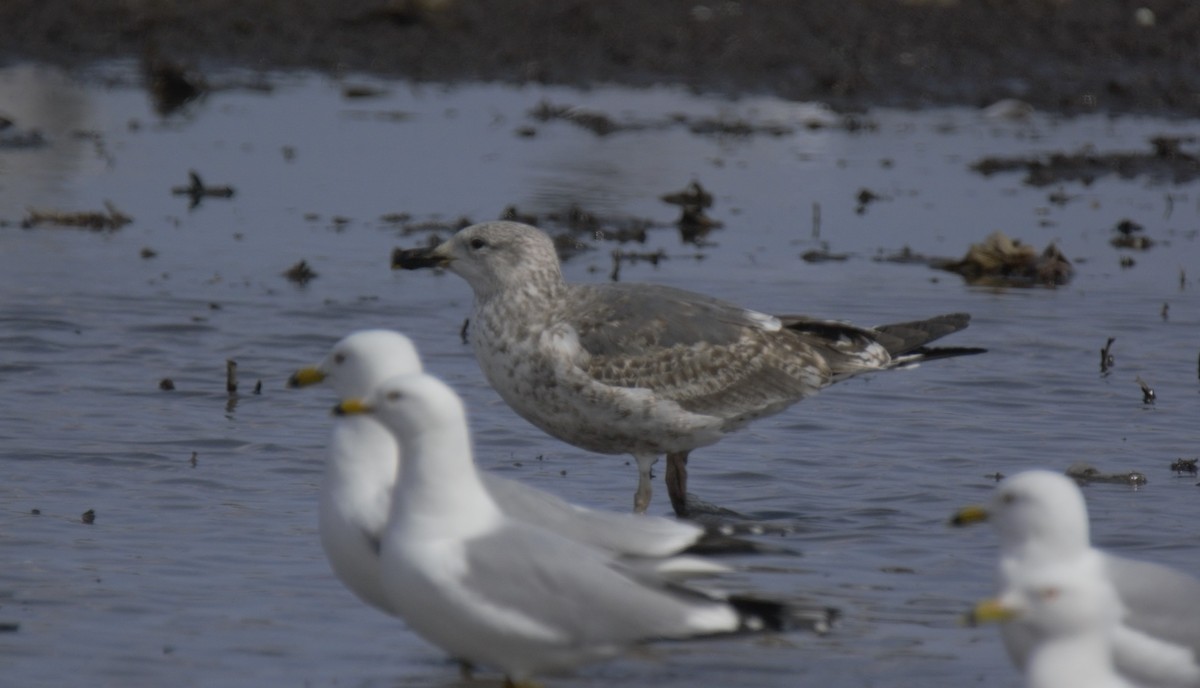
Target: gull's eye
<point>394,396</point>
<point>1008,498</point>
<point>339,358</point>
<point>477,243</point>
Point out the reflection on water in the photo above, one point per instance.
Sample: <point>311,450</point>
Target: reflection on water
<point>47,101</point>
<point>209,573</point>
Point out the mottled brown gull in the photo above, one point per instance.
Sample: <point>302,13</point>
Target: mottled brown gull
<point>646,369</point>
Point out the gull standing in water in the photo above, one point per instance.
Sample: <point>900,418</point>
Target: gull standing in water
<point>365,459</point>
<point>492,590</point>
<point>1042,522</point>
<point>645,369</point>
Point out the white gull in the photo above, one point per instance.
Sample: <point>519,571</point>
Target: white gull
<point>1042,522</point>
<point>1075,620</point>
<point>364,460</point>
<point>492,590</point>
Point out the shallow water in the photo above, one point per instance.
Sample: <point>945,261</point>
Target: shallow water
<point>211,575</point>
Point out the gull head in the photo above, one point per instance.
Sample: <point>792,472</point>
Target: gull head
<point>1037,509</point>
<point>360,361</point>
<point>410,405</point>
<point>1057,603</point>
<point>492,257</point>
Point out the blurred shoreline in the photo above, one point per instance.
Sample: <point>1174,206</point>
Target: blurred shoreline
<point>1069,56</point>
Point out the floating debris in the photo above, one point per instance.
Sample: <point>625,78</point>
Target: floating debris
<point>197,190</point>
<point>631,231</point>
<point>88,517</point>
<point>111,220</point>
<point>693,195</point>
<point>1166,308</point>
<point>1165,162</point>
<point>1127,262</point>
<point>1001,261</point>
<point>147,253</point>
<point>1147,393</point>
<point>12,138</point>
<point>1181,466</point>
<point>598,123</point>
<point>300,273</point>
<point>231,382</point>
<point>166,384</point>
<point>721,126</point>
<point>362,91</point>
<point>512,214</point>
<point>1106,357</point>
<point>1129,235</point>
<point>1059,197</point>
<point>9,626</point>
<point>258,387</point>
<point>602,124</point>
<point>1086,473</point>
<point>866,197</point>
<point>694,225</point>
<point>576,219</point>
<point>906,256</point>
<point>568,246</point>
<point>171,85</point>
<point>619,256</point>
<point>823,255</point>
<point>194,459</point>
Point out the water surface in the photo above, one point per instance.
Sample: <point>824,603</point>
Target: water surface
<point>211,574</point>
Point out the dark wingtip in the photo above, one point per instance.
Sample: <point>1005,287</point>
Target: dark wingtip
<point>415,259</point>
<point>713,543</point>
<point>769,615</point>
<point>934,353</point>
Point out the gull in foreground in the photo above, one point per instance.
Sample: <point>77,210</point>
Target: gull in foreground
<point>1075,619</point>
<point>645,369</point>
<point>492,590</point>
<point>364,460</point>
<point>1042,522</point>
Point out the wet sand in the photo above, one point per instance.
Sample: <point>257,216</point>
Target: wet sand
<point>1060,55</point>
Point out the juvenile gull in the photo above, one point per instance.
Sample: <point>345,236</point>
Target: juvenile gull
<point>1075,619</point>
<point>1042,522</point>
<point>362,467</point>
<point>645,369</point>
<point>492,590</point>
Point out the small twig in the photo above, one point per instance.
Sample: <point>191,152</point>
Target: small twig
<point>1147,393</point>
<point>1106,357</point>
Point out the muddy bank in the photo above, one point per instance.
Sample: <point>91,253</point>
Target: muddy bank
<point>1062,55</point>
